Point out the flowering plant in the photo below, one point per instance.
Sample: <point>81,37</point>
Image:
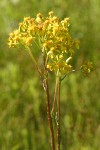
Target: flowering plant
<point>57,47</point>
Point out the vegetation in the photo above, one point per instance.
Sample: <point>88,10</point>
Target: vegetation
<point>23,121</point>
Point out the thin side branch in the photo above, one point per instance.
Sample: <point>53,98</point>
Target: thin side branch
<point>55,98</point>
<point>34,61</point>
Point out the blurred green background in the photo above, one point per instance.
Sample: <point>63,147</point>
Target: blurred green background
<point>23,119</point>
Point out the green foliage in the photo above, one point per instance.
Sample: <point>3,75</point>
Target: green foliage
<point>23,119</point>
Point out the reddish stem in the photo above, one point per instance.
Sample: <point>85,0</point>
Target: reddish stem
<point>58,123</point>
<point>49,116</point>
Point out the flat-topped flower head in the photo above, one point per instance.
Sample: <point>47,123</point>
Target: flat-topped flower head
<point>52,36</point>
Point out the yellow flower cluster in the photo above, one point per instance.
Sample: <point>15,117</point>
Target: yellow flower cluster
<point>24,35</point>
<point>87,67</point>
<point>53,37</point>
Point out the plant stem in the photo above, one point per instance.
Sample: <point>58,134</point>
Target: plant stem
<point>47,96</point>
<point>58,123</point>
<point>34,61</point>
<point>49,116</point>
<point>55,97</point>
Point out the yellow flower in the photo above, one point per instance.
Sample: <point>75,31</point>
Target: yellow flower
<point>38,20</point>
<point>26,19</point>
<point>29,40</point>
<point>51,13</point>
<point>61,56</point>
<point>49,67</point>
